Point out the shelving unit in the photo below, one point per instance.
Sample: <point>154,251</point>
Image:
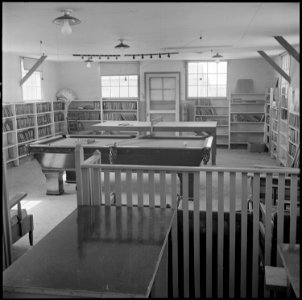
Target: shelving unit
<point>23,123</point>
<point>274,129</point>
<point>285,126</point>
<point>246,119</point>
<point>82,114</point>
<point>120,110</point>
<point>267,118</point>
<point>214,109</point>
<point>293,127</point>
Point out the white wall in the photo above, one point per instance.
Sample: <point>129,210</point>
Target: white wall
<point>256,69</point>
<point>85,82</point>
<point>11,76</point>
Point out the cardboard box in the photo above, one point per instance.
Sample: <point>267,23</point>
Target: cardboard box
<point>256,147</point>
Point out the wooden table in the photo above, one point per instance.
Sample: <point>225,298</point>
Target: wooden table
<point>198,127</point>
<point>97,251</point>
<point>290,256</point>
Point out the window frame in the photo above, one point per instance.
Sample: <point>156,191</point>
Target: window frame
<point>187,80</point>
<point>283,82</point>
<point>120,98</point>
<point>23,73</point>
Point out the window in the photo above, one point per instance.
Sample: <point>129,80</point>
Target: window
<point>285,62</point>
<point>207,79</point>
<point>124,86</point>
<point>31,88</point>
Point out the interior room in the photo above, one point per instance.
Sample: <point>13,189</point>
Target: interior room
<point>151,149</point>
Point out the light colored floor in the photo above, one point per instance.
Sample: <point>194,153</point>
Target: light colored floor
<point>50,210</point>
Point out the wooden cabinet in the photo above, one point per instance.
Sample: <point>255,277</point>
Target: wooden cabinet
<point>246,119</point>
<point>23,123</point>
<point>214,109</point>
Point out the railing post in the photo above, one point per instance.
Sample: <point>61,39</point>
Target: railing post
<point>79,159</point>
<point>95,180</point>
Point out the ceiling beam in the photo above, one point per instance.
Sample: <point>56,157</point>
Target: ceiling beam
<point>274,65</point>
<point>33,69</point>
<point>289,48</point>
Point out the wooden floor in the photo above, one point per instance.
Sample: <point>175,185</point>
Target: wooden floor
<point>49,210</point>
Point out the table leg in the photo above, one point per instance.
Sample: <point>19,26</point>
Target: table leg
<point>54,182</point>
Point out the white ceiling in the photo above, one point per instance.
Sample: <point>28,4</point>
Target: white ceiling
<point>235,30</point>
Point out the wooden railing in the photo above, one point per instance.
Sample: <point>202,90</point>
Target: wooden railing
<point>215,238</point>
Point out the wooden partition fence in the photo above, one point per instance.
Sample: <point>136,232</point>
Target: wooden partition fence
<point>215,238</point>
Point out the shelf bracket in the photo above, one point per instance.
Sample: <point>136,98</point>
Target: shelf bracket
<point>289,48</point>
<point>33,69</point>
<point>275,66</point>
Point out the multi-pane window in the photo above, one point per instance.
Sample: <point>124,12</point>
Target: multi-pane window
<point>285,64</point>
<point>31,88</point>
<point>124,86</point>
<point>207,79</point>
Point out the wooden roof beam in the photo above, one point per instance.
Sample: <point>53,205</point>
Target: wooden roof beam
<point>289,48</point>
<point>33,69</point>
<point>275,66</point>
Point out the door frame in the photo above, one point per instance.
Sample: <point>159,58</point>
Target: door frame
<point>177,106</point>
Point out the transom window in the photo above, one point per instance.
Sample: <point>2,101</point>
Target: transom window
<point>124,86</point>
<point>31,88</point>
<point>207,79</point>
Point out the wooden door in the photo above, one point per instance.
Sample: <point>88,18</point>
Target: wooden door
<point>162,96</point>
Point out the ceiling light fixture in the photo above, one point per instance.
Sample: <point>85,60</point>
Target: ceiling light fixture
<point>121,45</point>
<point>66,21</point>
<point>88,62</point>
<point>142,55</point>
<point>217,57</point>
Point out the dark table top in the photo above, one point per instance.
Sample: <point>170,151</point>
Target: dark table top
<point>98,250</point>
<point>138,142</point>
<point>290,256</point>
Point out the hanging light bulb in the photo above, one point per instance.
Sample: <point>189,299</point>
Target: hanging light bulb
<point>66,29</point>
<point>217,57</point>
<point>66,21</point>
<point>88,62</point>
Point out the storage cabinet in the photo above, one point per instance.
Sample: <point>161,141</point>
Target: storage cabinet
<point>23,123</point>
<point>246,119</point>
<point>214,109</point>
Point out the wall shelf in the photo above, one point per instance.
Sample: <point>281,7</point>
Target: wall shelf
<point>24,120</point>
<point>247,118</point>
<point>214,109</point>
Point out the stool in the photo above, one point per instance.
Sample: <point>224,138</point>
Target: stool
<point>276,279</point>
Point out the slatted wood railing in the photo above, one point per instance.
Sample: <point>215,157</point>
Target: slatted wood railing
<point>215,238</point>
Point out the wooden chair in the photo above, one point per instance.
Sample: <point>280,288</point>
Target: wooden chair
<point>21,222</point>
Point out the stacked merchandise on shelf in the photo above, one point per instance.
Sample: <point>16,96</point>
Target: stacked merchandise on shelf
<point>7,125</point>
<point>43,107</point>
<point>247,118</point>
<point>6,112</point>
<point>43,120</point>
<point>58,117</point>
<point>44,131</point>
<point>26,135</point>
<point>25,122</point>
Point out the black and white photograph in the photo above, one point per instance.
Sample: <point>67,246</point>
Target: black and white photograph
<point>150,149</point>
